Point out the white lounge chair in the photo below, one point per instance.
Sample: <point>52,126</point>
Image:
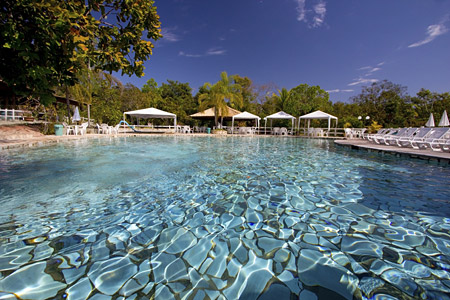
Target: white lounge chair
<point>407,133</point>
<point>391,135</point>
<point>276,131</point>
<point>374,137</point>
<point>417,135</point>
<point>435,135</point>
<point>381,132</point>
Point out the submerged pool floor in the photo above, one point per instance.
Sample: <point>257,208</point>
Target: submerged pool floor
<point>221,218</point>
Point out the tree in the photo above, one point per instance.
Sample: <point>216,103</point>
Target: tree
<point>387,103</point>
<point>132,98</point>
<point>281,99</point>
<point>177,98</point>
<point>304,99</point>
<point>245,88</point>
<point>426,102</point>
<point>217,95</point>
<point>45,44</point>
<point>150,85</point>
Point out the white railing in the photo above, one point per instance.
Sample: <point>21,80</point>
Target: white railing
<point>11,114</point>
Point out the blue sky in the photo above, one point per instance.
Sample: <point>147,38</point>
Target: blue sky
<point>340,45</point>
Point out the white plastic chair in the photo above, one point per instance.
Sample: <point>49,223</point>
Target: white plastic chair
<point>82,129</point>
<point>70,129</point>
<point>99,128</point>
<point>348,133</point>
<point>283,131</point>
<point>115,129</point>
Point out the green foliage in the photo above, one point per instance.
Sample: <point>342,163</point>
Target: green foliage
<point>244,86</point>
<point>386,103</point>
<point>217,95</point>
<point>106,106</point>
<point>374,127</point>
<point>281,99</point>
<point>177,98</point>
<point>150,86</point>
<point>426,102</point>
<point>45,44</point>
<point>304,99</point>
<point>132,98</point>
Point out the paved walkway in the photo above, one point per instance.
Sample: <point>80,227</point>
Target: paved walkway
<point>429,155</point>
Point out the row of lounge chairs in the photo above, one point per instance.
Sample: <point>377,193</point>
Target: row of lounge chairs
<point>437,139</point>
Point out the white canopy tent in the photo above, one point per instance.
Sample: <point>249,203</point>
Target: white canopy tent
<point>279,115</point>
<point>318,115</point>
<point>245,116</point>
<point>152,113</point>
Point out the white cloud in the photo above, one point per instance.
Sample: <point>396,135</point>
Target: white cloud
<point>301,10</point>
<point>372,70</point>
<point>433,31</point>
<point>216,51</point>
<point>320,9</point>
<point>362,81</point>
<point>339,91</point>
<point>365,68</point>
<point>318,12</point>
<point>209,52</point>
<point>169,35</point>
<point>181,53</point>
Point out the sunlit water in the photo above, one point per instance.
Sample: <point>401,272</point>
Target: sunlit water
<point>221,218</point>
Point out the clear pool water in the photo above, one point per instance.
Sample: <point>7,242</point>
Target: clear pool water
<point>221,218</point>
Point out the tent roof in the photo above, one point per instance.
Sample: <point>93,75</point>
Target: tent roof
<point>280,115</point>
<point>150,113</point>
<point>246,116</point>
<point>209,113</point>
<point>318,115</point>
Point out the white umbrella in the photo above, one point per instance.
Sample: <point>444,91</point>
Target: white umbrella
<point>76,115</point>
<point>444,120</point>
<point>430,122</point>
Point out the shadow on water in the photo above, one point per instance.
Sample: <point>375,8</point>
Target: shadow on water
<point>401,185</point>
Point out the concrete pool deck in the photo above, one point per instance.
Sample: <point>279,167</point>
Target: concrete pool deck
<point>427,155</point>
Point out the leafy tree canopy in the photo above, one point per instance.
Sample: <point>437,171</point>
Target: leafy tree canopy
<point>176,97</point>
<point>45,43</point>
<point>304,99</point>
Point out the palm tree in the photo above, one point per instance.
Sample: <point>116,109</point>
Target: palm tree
<point>281,99</point>
<point>217,95</point>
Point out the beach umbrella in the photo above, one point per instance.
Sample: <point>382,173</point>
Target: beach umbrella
<point>76,115</point>
<point>430,122</point>
<point>444,120</point>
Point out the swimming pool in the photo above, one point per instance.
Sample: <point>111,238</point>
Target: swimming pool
<point>221,218</point>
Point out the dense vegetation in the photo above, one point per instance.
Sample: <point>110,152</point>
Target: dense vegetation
<point>47,44</point>
<point>384,102</point>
